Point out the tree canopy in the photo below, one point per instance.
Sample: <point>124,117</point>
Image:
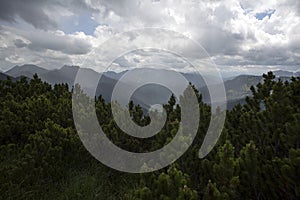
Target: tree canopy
<point>42,157</point>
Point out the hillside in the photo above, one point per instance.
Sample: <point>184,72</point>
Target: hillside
<point>237,88</point>
<point>43,154</point>
<point>26,70</point>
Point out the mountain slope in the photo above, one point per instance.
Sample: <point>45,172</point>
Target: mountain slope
<point>236,88</point>
<point>3,76</point>
<point>26,70</point>
<point>282,73</point>
<point>239,87</point>
<point>66,74</point>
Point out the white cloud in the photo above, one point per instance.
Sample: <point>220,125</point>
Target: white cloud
<point>228,30</point>
<point>50,49</point>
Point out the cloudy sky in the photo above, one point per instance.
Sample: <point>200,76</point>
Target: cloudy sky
<point>240,36</point>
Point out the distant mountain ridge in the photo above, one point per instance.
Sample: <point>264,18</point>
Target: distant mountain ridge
<point>27,70</point>
<point>282,73</point>
<point>237,88</point>
<point>4,76</point>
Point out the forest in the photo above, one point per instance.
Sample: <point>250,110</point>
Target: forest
<point>42,156</point>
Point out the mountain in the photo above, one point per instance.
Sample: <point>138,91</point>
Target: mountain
<point>115,75</point>
<point>146,95</point>
<point>297,74</point>
<point>3,76</point>
<point>26,70</point>
<point>237,88</point>
<point>282,73</point>
<point>66,74</point>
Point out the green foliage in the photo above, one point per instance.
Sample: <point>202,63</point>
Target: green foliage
<point>256,157</point>
<point>170,185</point>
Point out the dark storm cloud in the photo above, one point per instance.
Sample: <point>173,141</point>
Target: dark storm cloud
<point>30,11</point>
<point>227,30</point>
<point>40,41</point>
<point>35,12</point>
<point>20,43</point>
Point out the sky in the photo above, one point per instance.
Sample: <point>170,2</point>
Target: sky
<point>240,36</point>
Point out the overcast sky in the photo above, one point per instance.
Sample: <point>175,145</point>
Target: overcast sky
<point>241,36</point>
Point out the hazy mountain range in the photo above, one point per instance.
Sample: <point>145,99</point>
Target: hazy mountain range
<point>237,88</point>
